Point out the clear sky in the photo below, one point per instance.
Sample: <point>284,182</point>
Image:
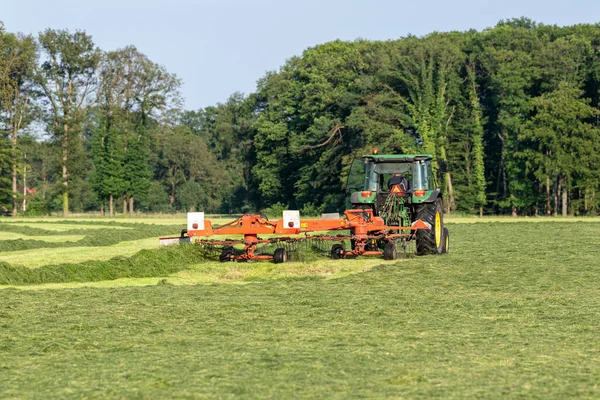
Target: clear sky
<point>221,46</point>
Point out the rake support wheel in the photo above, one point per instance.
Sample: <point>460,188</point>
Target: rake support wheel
<point>228,254</point>
<point>337,251</point>
<point>280,255</point>
<point>389,252</point>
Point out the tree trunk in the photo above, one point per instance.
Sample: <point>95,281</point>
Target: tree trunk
<point>172,196</point>
<point>481,211</point>
<point>557,193</point>
<point>125,205</point>
<point>450,192</point>
<point>565,193</point>
<point>501,174</point>
<point>548,204</point>
<point>14,175</point>
<point>131,206</point>
<point>111,210</point>
<point>24,207</point>
<point>102,209</point>
<point>65,175</point>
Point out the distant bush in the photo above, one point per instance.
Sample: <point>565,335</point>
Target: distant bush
<point>38,208</point>
<point>276,210</point>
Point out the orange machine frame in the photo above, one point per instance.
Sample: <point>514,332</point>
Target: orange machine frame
<point>363,226</point>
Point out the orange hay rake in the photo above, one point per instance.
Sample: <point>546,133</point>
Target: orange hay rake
<point>368,233</point>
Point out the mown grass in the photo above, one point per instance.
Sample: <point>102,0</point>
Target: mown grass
<point>59,255</point>
<point>61,226</point>
<point>94,234</point>
<point>145,263</point>
<point>513,311</point>
<point>214,272</point>
<point>54,238</point>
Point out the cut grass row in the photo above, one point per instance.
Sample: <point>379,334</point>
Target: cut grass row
<point>71,255</point>
<point>54,238</point>
<point>214,272</point>
<point>145,263</point>
<point>512,312</point>
<point>92,237</point>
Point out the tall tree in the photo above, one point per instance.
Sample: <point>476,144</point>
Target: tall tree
<point>564,140</point>
<point>188,168</point>
<point>67,78</point>
<point>145,94</point>
<point>477,141</point>
<point>508,62</point>
<point>428,81</point>
<point>18,59</point>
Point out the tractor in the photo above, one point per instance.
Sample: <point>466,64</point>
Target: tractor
<point>413,195</point>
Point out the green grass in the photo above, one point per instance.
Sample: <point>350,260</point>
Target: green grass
<point>94,234</point>
<point>145,263</point>
<point>58,255</point>
<point>63,227</point>
<point>54,238</point>
<point>512,312</point>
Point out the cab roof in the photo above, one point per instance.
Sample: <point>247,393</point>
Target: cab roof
<point>400,158</point>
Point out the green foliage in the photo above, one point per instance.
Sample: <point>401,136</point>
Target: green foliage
<point>18,58</point>
<point>37,208</point>
<point>480,100</point>
<point>275,211</point>
<point>157,199</point>
<point>477,143</point>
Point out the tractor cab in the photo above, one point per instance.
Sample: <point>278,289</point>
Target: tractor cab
<point>372,178</point>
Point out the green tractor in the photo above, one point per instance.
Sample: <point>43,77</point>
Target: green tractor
<point>401,188</point>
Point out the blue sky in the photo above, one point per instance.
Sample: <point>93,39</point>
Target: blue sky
<point>219,47</point>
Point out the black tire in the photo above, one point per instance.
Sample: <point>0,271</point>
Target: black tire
<point>337,251</point>
<point>227,254</point>
<point>446,240</point>
<point>364,206</point>
<point>280,255</point>
<point>430,241</point>
<point>389,251</point>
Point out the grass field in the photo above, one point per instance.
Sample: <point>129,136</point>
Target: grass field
<point>513,311</point>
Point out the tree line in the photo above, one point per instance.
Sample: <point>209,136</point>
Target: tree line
<point>513,109</point>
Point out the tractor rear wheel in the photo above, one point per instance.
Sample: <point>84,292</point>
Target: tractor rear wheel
<point>337,251</point>
<point>430,241</point>
<point>280,255</point>
<point>446,235</point>
<point>389,251</point>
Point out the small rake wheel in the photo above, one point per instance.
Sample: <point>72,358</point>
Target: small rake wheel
<point>228,254</point>
<point>280,255</point>
<point>445,240</point>
<point>389,251</point>
<point>337,251</point>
